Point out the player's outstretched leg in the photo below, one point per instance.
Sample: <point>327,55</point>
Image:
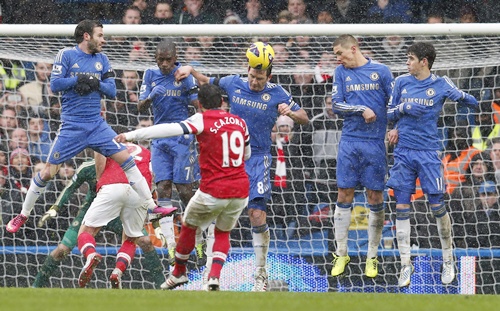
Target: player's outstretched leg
<point>42,278</point>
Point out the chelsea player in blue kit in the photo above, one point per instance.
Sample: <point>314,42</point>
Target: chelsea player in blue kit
<point>174,158</point>
<point>415,106</point>
<point>259,103</point>
<point>360,94</point>
<point>82,73</point>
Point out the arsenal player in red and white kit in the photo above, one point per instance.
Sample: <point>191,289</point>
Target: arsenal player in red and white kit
<point>223,193</point>
<point>115,197</point>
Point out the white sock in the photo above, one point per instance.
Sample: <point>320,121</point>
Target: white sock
<point>375,227</point>
<point>341,222</point>
<point>138,182</point>
<point>32,195</point>
<point>167,227</point>
<point>210,245</point>
<point>403,237</point>
<point>444,231</point>
<point>261,247</point>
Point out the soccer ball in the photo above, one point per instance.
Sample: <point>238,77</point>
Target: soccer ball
<point>260,55</point>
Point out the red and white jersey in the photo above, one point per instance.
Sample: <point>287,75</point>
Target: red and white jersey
<point>222,138</point>
<point>113,173</point>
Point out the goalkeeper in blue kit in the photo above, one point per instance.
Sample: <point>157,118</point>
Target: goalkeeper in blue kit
<point>86,173</point>
<point>415,106</point>
<point>83,74</point>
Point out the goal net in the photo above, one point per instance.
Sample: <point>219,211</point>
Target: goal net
<point>300,215</point>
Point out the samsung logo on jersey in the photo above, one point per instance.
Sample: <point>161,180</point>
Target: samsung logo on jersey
<point>420,101</point>
<point>224,121</point>
<point>173,93</point>
<point>250,103</point>
<point>362,87</point>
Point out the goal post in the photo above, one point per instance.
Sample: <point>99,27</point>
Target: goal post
<point>300,216</point>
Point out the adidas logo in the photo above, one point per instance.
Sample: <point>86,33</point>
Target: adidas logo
<point>404,91</point>
<point>238,91</point>
<point>347,79</point>
<point>75,66</point>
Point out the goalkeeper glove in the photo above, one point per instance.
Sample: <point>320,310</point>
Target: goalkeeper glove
<point>158,233</point>
<point>157,90</point>
<point>412,109</point>
<point>51,213</point>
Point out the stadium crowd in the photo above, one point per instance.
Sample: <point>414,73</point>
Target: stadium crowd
<point>471,148</point>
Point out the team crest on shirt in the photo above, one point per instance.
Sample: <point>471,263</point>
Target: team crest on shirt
<point>98,66</point>
<point>430,92</point>
<point>265,97</point>
<point>374,76</point>
<point>177,83</point>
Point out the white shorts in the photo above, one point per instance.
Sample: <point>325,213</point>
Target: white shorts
<point>203,209</point>
<point>117,200</point>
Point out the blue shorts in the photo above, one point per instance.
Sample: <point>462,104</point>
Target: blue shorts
<point>258,168</point>
<point>410,164</point>
<point>361,163</point>
<point>175,159</point>
<point>73,137</point>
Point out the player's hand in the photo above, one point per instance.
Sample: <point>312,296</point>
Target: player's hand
<point>393,136</point>
<point>185,139</point>
<point>413,109</point>
<point>82,86</point>
<point>369,115</point>
<point>121,138</point>
<point>93,83</point>
<point>157,90</point>
<point>159,235</point>
<point>51,213</point>
<point>182,73</point>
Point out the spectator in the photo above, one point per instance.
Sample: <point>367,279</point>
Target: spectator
<point>194,12</point>
<point>39,140</point>
<point>139,51</point>
<point>480,227</point>
<point>480,170</point>
<point>37,93</point>
<point>392,50</point>
<point>290,167</point>
<point>485,129</point>
<point>252,10</point>
<point>123,110</point>
<point>298,10</point>
<point>389,11</point>
<point>232,18</point>
<point>8,122</point>
<point>324,17</point>
<point>144,121</point>
<point>20,169</point>
<point>132,15</point>
<point>193,54</point>
<point>468,14</point>
<point>349,11</point>
<point>285,17</point>
<point>495,157</point>
<point>163,14</point>
<point>18,139</point>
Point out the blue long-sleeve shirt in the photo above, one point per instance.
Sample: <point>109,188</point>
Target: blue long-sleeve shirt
<point>421,133</point>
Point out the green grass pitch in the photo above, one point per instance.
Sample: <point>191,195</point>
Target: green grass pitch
<point>24,299</point>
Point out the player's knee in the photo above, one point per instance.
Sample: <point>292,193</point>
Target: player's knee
<point>402,196</point>
<point>60,252</point>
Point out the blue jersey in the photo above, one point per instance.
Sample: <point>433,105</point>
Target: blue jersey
<point>258,109</point>
<point>173,105</point>
<point>68,64</point>
<point>421,133</point>
<point>353,90</point>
